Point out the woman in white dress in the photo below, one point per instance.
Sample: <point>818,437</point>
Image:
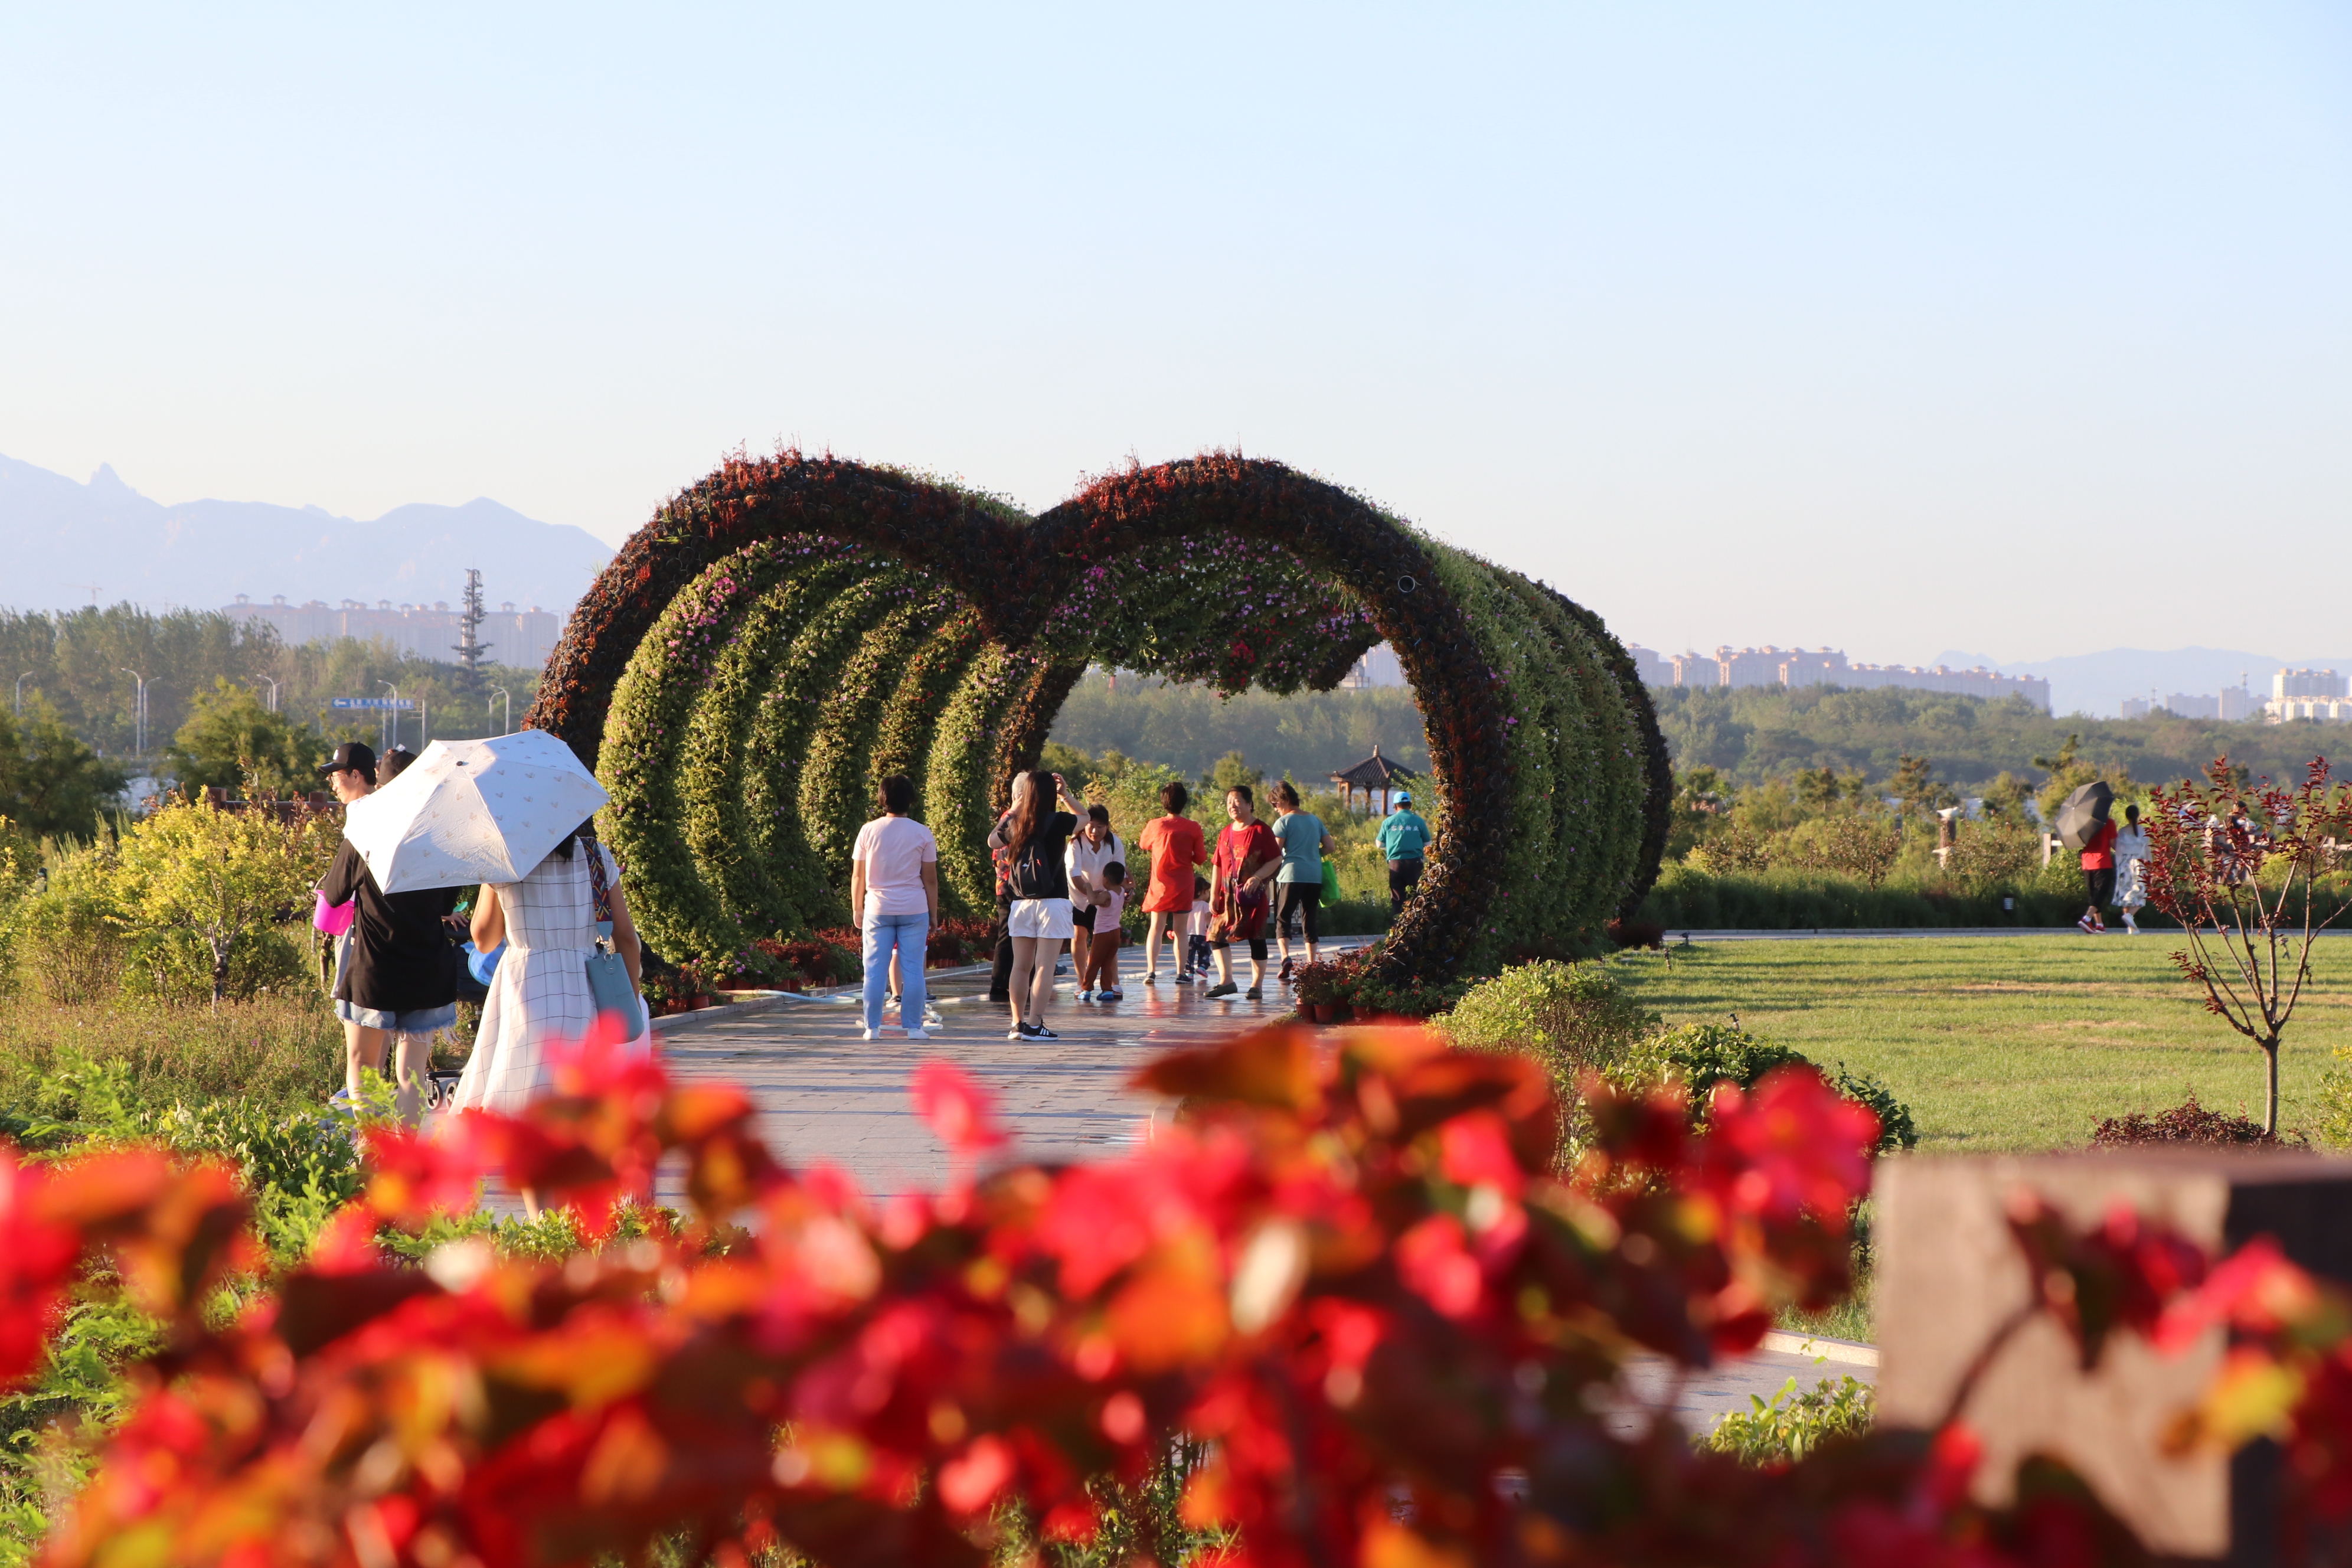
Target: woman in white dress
<point>540,996</point>
<point>2130,850</point>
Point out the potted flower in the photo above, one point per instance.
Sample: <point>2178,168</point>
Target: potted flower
<point>1318,987</point>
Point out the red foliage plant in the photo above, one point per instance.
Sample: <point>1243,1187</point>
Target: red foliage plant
<point>1347,1272</point>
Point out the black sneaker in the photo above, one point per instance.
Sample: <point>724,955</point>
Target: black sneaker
<point>1039,1032</point>
<point>1287,965</point>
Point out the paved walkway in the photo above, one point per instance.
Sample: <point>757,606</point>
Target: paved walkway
<point>827,1097</point>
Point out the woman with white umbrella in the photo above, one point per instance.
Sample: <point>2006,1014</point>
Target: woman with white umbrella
<point>540,996</point>
<point>507,812</point>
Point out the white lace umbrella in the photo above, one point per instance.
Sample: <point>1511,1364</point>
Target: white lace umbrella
<point>473,811</point>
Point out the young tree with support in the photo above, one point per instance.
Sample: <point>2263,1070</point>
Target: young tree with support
<point>2238,865</point>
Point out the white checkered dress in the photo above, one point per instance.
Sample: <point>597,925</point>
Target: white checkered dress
<point>540,994</point>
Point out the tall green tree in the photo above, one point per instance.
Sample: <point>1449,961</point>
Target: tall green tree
<point>232,741</point>
<point>50,783</point>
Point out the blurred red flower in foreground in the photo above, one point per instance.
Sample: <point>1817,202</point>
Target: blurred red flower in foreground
<point>1348,1270</point>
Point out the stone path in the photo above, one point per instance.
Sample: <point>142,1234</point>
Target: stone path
<point>827,1097</point>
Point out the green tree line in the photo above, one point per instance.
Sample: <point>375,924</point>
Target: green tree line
<point>1752,737</point>
<point>1189,727</point>
<point>68,733</point>
<point>83,664</point>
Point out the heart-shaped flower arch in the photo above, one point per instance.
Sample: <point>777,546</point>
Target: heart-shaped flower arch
<point>790,629</point>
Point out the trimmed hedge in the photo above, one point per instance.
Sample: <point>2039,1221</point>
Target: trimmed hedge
<point>789,629</point>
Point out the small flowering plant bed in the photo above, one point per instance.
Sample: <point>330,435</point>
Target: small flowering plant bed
<point>1342,1289</point>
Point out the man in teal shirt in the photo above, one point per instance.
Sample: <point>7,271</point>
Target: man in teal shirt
<point>1404,835</point>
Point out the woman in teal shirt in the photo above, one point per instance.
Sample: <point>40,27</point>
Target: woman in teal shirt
<point>1299,884</point>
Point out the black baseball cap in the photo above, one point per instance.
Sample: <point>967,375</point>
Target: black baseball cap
<point>349,756</point>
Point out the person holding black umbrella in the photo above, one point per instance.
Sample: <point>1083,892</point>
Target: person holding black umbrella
<point>2084,826</point>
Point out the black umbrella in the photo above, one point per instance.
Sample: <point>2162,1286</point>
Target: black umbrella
<point>2085,811</point>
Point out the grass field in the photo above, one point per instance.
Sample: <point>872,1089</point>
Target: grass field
<point>2007,1043</point>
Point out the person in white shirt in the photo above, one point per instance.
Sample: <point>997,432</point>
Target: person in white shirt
<point>2130,850</point>
<point>894,887</point>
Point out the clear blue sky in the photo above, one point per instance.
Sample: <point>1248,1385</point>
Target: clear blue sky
<point>2021,329</point>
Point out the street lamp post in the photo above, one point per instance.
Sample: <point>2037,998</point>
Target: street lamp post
<point>18,706</point>
<point>139,715</point>
<point>391,716</point>
<point>506,710</point>
<point>273,692</point>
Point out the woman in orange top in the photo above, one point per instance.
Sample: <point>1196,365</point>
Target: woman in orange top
<point>1176,846</point>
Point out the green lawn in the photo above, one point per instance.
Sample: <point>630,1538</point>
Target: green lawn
<point>2007,1043</point>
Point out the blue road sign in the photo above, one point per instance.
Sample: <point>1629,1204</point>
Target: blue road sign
<point>403,703</point>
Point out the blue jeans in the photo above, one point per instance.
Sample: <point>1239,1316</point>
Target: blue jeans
<point>910,934</point>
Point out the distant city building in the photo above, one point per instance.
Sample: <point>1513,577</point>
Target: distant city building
<point>2315,710</point>
<point>2289,683</point>
<point>1655,669</point>
<point>1771,666</point>
<point>1379,667</point>
<point>523,638</point>
<point>2308,694</point>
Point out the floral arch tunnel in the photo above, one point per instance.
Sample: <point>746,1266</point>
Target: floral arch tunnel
<point>790,630</point>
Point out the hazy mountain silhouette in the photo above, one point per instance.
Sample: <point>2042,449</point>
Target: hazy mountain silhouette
<point>58,540</point>
<point>2097,683</point>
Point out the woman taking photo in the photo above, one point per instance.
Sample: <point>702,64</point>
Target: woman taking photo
<point>1037,839</point>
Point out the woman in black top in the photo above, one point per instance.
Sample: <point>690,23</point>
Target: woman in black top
<point>1038,837</point>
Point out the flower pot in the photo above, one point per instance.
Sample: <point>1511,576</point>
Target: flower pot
<point>1319,1011</point>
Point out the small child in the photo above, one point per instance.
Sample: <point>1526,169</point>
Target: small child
<point>1100,982</point>
<point>1196,930</point>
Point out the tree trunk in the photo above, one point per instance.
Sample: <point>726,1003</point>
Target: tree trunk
<point>2270,1095</point>
<point>220,977</point>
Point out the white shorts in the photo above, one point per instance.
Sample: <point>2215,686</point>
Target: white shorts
<point>1046,917</point>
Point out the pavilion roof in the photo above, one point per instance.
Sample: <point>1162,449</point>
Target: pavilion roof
<point>1375,772</point>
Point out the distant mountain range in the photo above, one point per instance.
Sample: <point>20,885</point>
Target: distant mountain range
<point>63,542</point>
<point>2097,683</point>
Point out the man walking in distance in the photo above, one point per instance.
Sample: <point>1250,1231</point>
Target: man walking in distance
<point>1404,835</point>
<point>397,978</point>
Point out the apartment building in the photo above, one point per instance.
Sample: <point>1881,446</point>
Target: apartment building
<point>1772,666</point>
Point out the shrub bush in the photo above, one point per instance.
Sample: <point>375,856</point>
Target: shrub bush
<point>173,964</point>
<point>1776,1433</point>
<point>1690,898</point>
<point>67,936</point>
<point>1572,1017</point>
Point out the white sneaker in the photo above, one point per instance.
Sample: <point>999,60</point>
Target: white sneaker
<point>918,1033</point>
<point>931,1019</point>
<point>867,1035</point>
<point>1086,996</point>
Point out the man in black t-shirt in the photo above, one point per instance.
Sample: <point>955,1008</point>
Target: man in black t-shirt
<point>396,977</point>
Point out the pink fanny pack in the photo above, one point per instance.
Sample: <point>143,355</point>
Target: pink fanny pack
<point>333,918</point>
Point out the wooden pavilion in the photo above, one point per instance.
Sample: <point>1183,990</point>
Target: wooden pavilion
<point>1374,774</point>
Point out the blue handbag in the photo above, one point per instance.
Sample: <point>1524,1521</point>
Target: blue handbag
<point>483,966</point>
<point>608,974</point>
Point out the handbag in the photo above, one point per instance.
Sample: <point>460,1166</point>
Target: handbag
<point>608,974</point>
<point>333,918</point>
